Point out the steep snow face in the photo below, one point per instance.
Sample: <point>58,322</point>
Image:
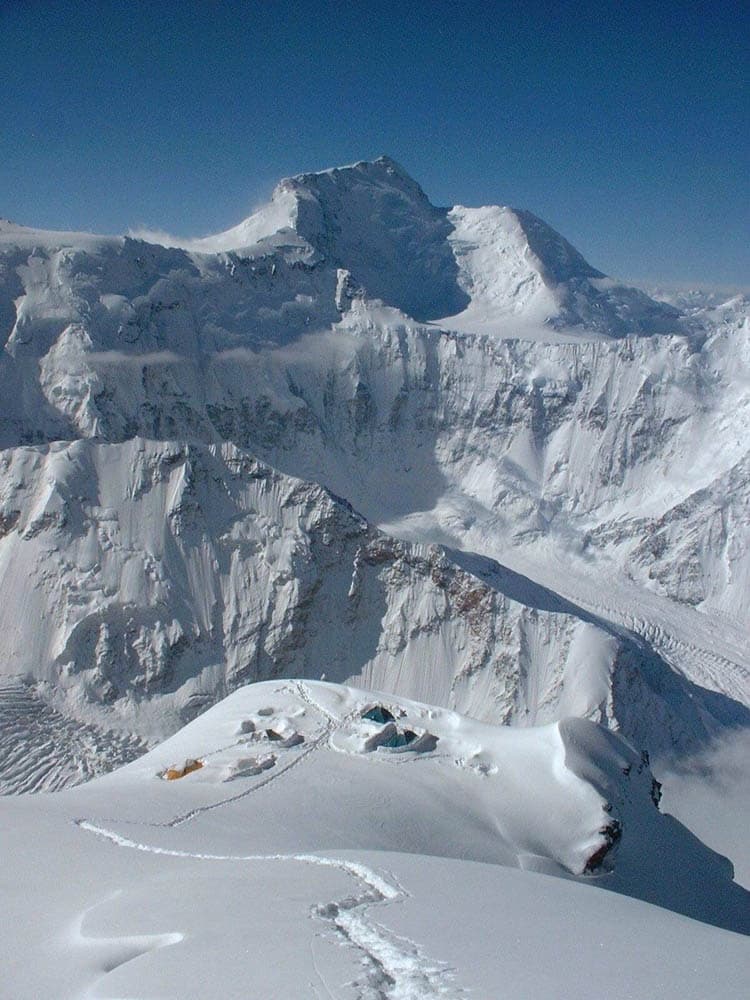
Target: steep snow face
<point>496,268</point>
<point>142,581</point>
<point>598,447</point>
<point>521,275</point>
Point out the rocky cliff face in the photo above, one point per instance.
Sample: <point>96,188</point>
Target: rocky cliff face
<point>461,376</point>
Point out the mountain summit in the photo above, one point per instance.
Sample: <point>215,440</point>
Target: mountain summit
<point>371,219</point>
<point>484,267</point>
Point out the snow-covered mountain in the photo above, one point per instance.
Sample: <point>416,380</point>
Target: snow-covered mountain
<point>429,452</point>
<point>167,574</point>
<point>462,377</point>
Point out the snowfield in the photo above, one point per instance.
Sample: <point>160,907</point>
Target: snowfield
<point>427,452</point>
<point>326,847</point>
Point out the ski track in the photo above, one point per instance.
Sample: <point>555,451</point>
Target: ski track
<point>394,967</point>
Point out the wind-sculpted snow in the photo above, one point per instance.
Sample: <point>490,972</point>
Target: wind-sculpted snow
<point>583,781</point>
<point>585,436</point>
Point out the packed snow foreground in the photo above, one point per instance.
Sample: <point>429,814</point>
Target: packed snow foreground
<point>307,839</point>
<point>428,452</point>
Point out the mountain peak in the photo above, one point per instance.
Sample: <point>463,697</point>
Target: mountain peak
<point>384,166</point>
<point>479,268</point>
<point>389,162</point>
<point>374,220</point>
<point>383,173</point>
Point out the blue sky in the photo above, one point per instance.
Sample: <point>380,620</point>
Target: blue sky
<point>624,125</point>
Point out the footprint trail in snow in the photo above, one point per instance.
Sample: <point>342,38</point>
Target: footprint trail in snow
<point>395,968</point>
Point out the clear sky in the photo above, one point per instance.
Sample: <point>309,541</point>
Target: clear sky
<point>624,125</point>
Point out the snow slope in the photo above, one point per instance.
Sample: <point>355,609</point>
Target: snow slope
<point>520,274</point>
<point>348,868</point>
